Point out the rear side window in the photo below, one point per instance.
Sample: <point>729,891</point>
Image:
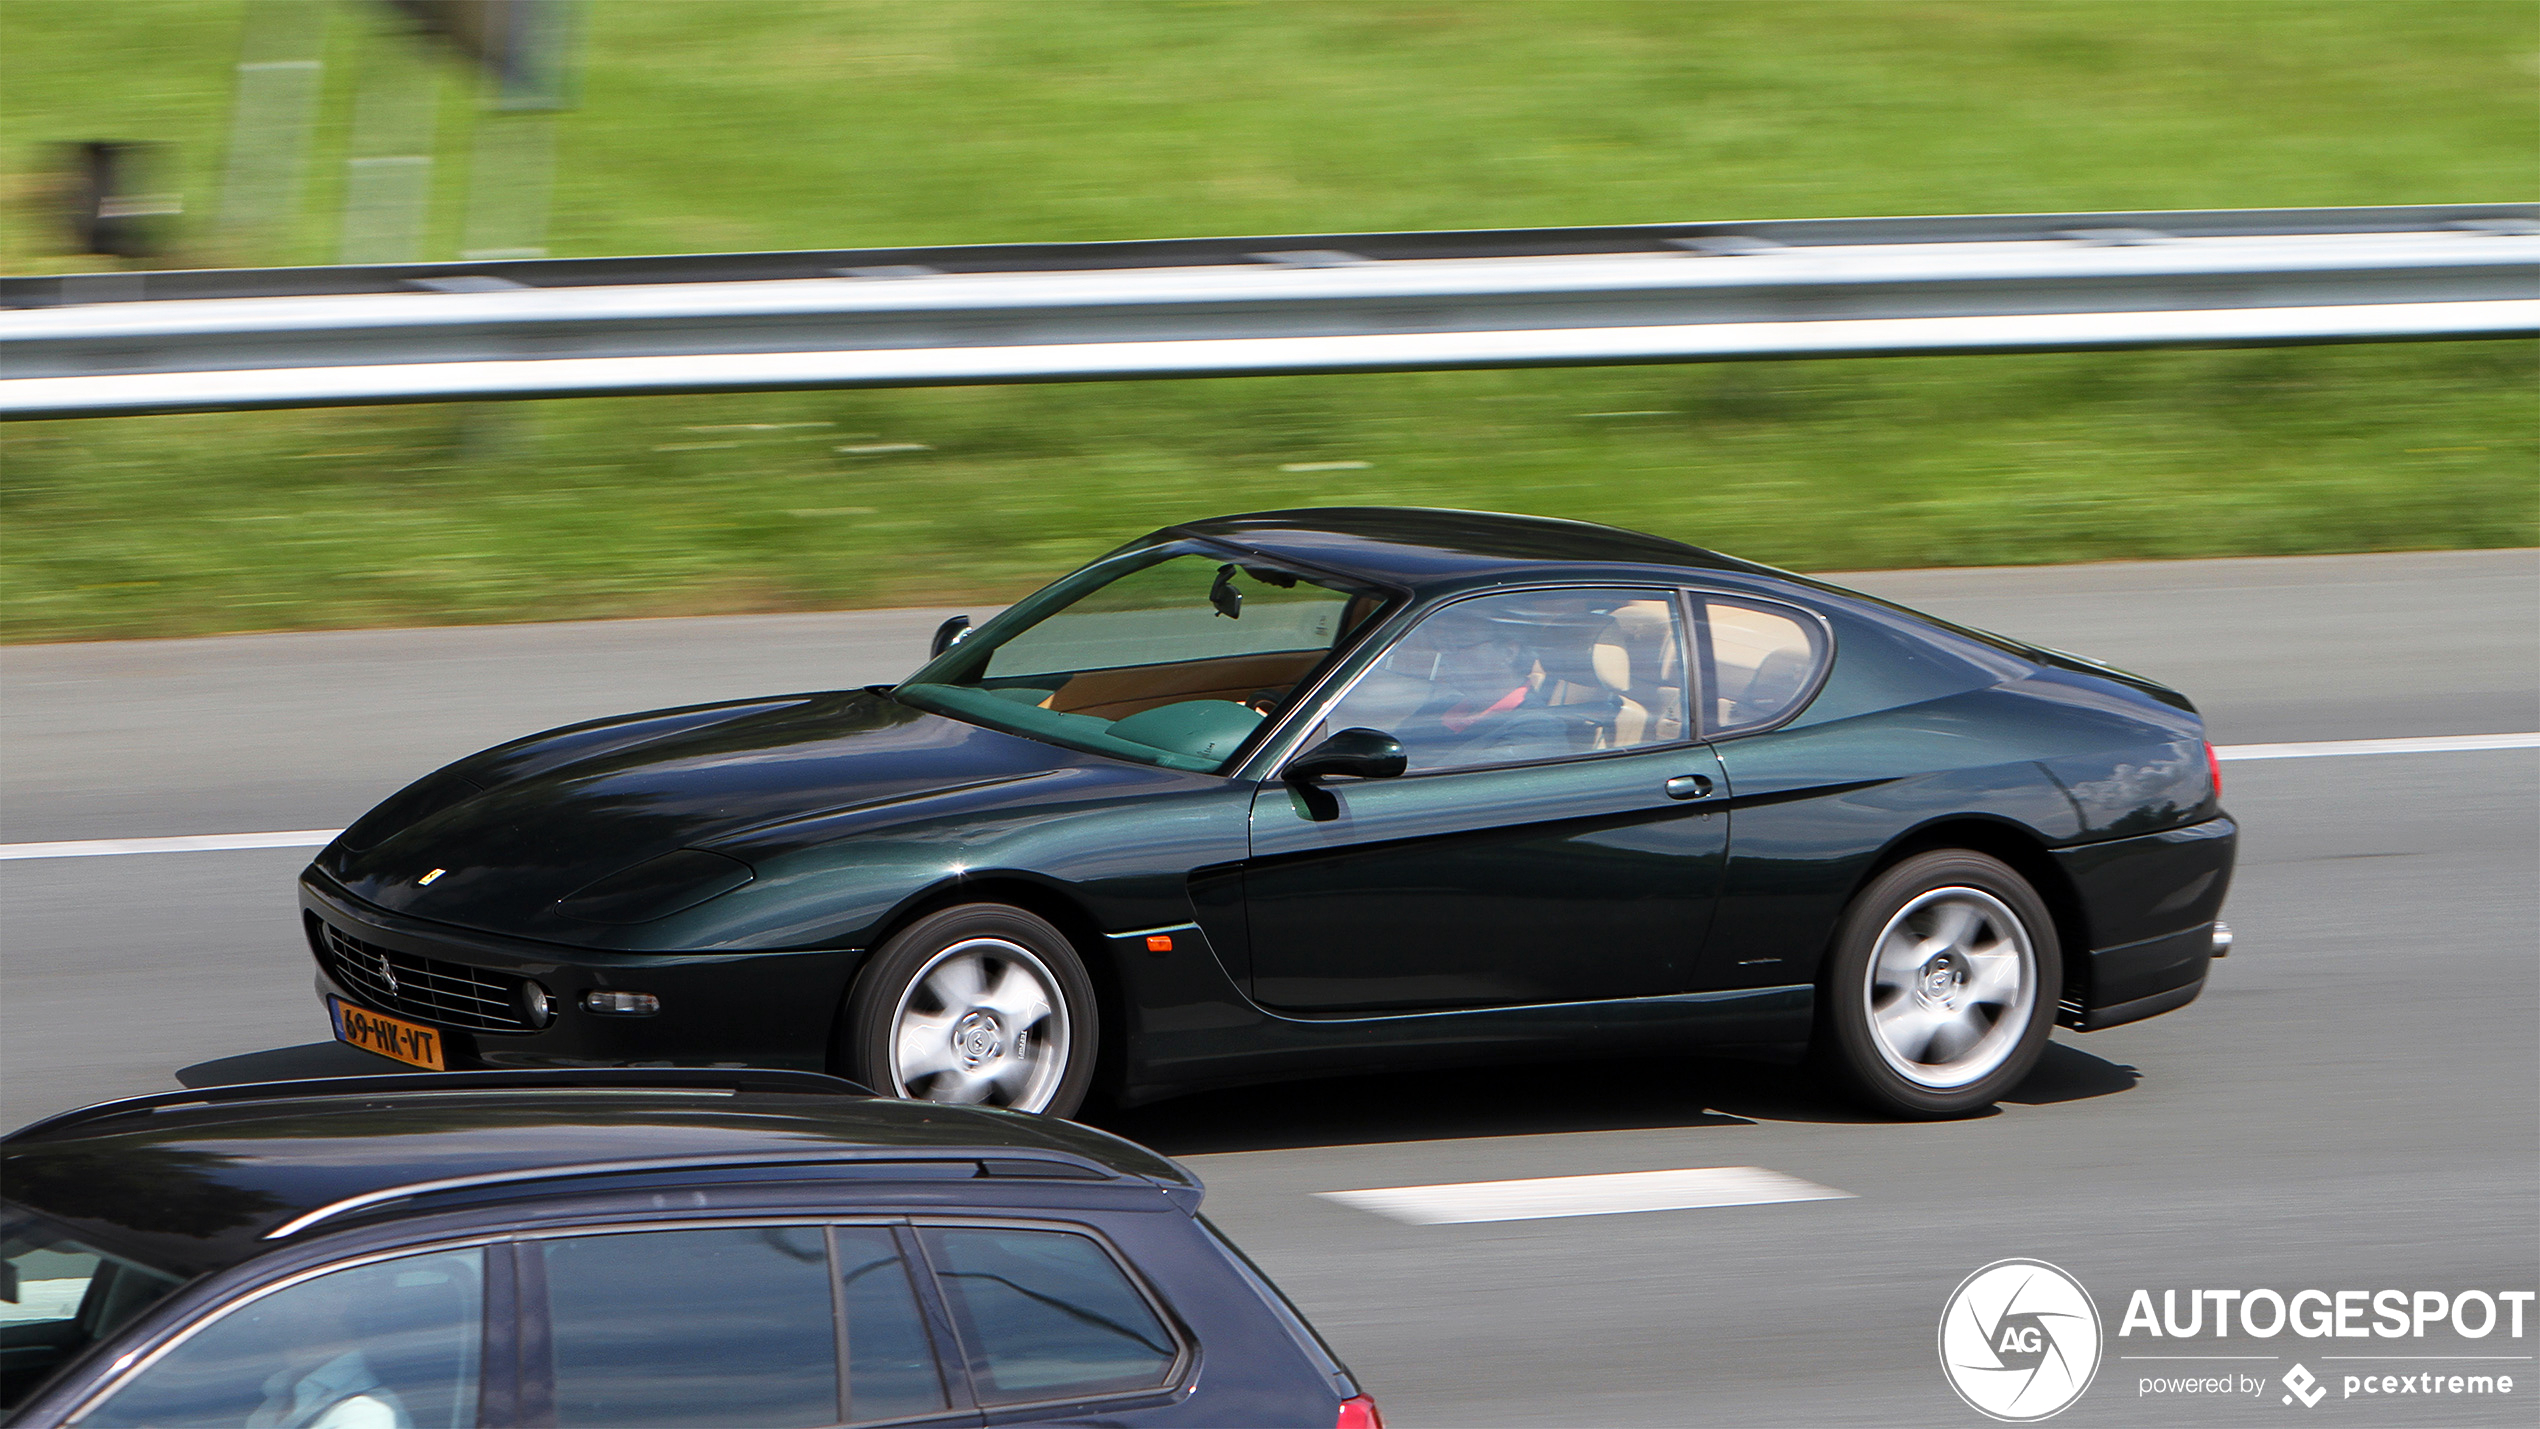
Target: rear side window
<point>735,1326</point>
<point>890,1361</point>
<point>390,1344</point>
<point>1757,661</point>
<point>1047,1315</point>
<point>725,1326</point>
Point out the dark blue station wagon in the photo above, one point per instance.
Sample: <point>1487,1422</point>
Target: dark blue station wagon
<point>624,1249</point>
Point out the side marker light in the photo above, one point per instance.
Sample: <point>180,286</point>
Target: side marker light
<point>1159,942</point>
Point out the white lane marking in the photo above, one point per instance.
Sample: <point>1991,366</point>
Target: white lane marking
<point>189,843</point>
<point>1546,1197</point>
<point>320,838</point>
<point>2329,748</point>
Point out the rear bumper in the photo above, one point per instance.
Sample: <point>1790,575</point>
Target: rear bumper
<point>754,1009</point>
<point>2147,979</point>
<point>2150,904</point>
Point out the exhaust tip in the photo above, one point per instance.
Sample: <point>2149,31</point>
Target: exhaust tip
<point>2222,940</point>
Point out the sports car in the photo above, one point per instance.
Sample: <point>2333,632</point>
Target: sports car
<point>1304,792</point>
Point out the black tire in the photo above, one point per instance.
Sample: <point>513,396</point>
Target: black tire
<point>994,1055</point>
<point>1938,1032</point>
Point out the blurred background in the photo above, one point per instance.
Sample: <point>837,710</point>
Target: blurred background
<point>180,133</point>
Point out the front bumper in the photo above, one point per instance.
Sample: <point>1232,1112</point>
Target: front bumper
<point>776,1009</point>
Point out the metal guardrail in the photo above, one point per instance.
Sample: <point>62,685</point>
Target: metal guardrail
<point>102,344</point>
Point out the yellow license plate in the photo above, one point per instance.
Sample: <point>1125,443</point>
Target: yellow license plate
<point>407,1042</point>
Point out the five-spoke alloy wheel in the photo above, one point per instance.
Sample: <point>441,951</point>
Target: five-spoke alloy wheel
<point>1941,986</point>
<point>981,1004</point>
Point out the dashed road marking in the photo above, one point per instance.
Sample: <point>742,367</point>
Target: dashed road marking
<point>1692,1188</point>
<point>187,843</point>
<point>2332,748</point>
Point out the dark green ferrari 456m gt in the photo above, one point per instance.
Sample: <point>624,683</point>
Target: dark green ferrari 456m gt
<point>1311,791</point>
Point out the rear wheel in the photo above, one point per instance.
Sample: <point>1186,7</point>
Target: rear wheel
<point>982,1004</point>
<point>1941,987</point>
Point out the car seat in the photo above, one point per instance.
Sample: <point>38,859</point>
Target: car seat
<point>1636,658</point>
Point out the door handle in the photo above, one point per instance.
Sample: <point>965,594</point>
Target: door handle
<point>1689,786</point>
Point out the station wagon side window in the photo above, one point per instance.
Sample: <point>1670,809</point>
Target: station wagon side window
<point>387,1345</point>
<point>724,1325</point>
<point>1756,662</point>
<point>729,1325</point>
<point>891,1369</point>
<point>1047,1315</point>
<point>1523,676</point>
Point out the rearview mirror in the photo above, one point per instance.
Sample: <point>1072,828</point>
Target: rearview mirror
<point>1355,753</point>
<point>949,634</point>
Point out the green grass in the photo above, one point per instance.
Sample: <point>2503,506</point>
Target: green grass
<point>723,126</point>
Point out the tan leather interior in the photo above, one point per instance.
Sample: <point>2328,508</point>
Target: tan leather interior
<point>1117,694</point>
<point>1761,659</point>
<point>1635,656</point>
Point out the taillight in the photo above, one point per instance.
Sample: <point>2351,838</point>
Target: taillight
<point>2213,768</point>
<point>1360,1413</point>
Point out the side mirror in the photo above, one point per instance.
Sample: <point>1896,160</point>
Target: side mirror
<point>949,634</point>
<point>1355,753</point>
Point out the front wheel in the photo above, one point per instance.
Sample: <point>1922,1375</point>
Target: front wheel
<point>981,1004</point>
<point>1941,987</point>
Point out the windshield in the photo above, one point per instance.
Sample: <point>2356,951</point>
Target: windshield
<point>1170,655</point>
<point>58,1296</point>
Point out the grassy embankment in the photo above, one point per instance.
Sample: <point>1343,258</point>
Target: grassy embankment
<point>723,127</point>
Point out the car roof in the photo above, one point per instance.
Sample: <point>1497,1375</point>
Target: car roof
<point>1425,549</point>
<point>195,1181</point>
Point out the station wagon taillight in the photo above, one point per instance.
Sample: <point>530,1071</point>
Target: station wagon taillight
<point>2213,767</point>
<point>1360,1413</point>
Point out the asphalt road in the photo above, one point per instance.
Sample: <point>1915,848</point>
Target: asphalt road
<point>2354,1105</point>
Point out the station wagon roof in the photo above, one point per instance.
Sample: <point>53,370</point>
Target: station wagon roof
<point>194,1185</point>
<point>1421,549</point>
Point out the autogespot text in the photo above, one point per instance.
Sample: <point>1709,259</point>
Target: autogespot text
<point>2444,1370</point>
<point>2328,1314</point>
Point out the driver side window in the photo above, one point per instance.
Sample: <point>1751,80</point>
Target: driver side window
<point>1525,676</point>
<point>389,1345</point>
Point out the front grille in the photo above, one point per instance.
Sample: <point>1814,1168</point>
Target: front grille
<point>427,989</point>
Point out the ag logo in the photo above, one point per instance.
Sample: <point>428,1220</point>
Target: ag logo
<point>2019,1340</point>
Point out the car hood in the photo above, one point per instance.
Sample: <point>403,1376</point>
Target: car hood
<point>496,841</point>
